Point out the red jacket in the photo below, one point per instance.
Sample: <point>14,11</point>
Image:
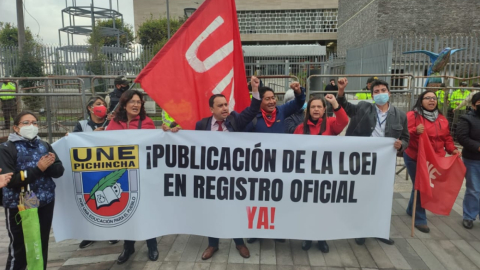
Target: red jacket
<point>438,133</point>
<point>335,125</point>
<point>147,123</point>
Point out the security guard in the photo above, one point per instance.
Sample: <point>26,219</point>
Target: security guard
<point>366,93</point>
<point>455,99</point>
<point>441,97</point>
<point>458,96</point>
<point>9,104</point>
<point>121,85</point>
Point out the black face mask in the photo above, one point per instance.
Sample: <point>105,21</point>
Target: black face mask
<point>477,109</point>
<point>124,88</point>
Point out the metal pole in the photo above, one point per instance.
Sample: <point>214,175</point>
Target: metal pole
<point>168,21</point>
<point>21,25</point>
<point>49,116</point>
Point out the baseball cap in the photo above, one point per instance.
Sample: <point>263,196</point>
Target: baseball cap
<point>371,79</point>
<point>121,80</point>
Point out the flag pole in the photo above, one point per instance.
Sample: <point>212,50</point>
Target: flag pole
<point>413,213</point>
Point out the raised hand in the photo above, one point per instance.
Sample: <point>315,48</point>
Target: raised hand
<point>255,83</point>
<point>296,87</point>
<point>332,100</point>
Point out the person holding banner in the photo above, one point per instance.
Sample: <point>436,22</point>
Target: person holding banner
<point>97,110</point>
<point>130,114</point>
<point>271,119</point>
<point>34,164</point>
<point>425,117</point>
<point>380,119</point>
<point>316,122</point>
<point>468,132</point>
<point>222,120</point>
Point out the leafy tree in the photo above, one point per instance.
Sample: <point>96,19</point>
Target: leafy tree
<point>153,32</point>
<point>9,34</point>
<point>97,59</point>
<point>125,39</point>
<point>30,64</point>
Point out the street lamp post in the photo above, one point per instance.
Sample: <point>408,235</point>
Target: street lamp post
<point>168,21</point>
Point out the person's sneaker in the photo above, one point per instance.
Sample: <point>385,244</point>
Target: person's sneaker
<point>468,224</point>
<point>85,243</point>
<point>113,242</point>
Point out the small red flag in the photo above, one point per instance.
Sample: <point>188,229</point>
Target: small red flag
<point>438,179</point>
<point>203,58</point>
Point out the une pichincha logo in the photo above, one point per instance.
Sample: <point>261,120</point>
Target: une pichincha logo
<point>107,190</point>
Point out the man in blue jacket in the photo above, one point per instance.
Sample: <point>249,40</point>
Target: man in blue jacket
<point>271,118</point>
<point>225,121</point>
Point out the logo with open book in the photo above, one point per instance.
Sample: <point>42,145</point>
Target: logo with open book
<point>106,183</point>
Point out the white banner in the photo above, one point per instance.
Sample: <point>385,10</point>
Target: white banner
<point>140,184</point>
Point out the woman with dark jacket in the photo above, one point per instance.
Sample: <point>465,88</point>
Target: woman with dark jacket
<point>33,164</point>
<point>316,122</point>
<point>97,116</point>
<point>468,134</point>
<point>130,114</point>
<point>425,117</point>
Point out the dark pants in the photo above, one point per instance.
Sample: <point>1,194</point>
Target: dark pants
<point>213,242</point>
<point>17,259</point>
<point>9,108</point>
<point>420,214</point>
<point>151,244</point>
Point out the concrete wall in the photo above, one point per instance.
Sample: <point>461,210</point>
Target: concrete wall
<point>362,21</point>
<point>144,9</point>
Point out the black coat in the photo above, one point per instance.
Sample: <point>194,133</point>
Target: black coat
<point>468,134</point>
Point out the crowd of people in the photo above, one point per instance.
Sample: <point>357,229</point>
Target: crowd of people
<point>26,160</point>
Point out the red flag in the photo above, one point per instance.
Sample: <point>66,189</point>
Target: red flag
<point>203,58</point>
<point>438,179</point>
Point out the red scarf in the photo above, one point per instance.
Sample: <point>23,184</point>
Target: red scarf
<point>269,121</point>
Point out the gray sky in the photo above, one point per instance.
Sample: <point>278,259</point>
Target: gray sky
<point>48,13</point>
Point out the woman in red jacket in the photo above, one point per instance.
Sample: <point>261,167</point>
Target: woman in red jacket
<point>130,114</point>
<point>317,122</point>
<point>425,117</point>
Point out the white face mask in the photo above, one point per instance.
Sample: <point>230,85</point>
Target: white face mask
<point>29,132</point>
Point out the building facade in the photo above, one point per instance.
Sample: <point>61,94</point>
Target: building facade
<point>263,22</point>
<point>366,21</point>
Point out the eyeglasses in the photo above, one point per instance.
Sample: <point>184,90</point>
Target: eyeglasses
<point>135,102</point>
<point>430,98</point>
<point>28,123</point>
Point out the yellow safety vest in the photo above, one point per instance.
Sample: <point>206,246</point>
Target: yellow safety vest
<point>457,97</point>
<point>166,118</point>
<point>364,95</point>
<point>8,86</point>
<point>440,96</point>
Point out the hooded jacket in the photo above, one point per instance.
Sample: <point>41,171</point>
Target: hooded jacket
<point>19,154</point>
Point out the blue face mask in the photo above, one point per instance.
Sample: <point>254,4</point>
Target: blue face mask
<point>304,106</point>
<point>381,99</point>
